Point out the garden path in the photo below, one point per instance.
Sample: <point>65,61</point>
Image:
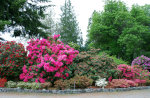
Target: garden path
<point>125,94</point>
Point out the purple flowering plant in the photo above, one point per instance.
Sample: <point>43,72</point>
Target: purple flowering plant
<point>142,61</point>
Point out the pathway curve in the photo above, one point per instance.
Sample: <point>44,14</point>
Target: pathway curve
<point>125,94</point>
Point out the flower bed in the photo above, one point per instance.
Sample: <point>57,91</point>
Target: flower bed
<point>52,66</point>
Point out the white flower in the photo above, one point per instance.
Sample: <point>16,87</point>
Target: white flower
<point>101,82</point>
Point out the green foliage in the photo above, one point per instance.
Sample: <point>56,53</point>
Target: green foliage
<point>11,84</point>
<point>92,65</point>
<point>122,32</point>
<point>27,85</point>
<point>74,45</point>
<point>70,31</point>
<point>23,16</point>
<point>115,59</point>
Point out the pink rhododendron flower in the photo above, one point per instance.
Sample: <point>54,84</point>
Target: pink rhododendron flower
<point>67,74</point>
<point>57,74</point>
<point>48,57</point>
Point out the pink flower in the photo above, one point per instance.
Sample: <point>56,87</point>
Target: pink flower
<point>56,36</point>
<point>67,74</point>
<point>41,80</point>
<point>51,69</point>
<point>62,57</point>
<point>25,80</point>
<point>22,76</point>
<point>110,79</point>
<point>36,80</point>
<point>57,74</point>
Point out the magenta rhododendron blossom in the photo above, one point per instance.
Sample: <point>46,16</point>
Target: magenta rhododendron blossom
<point>134,73</point>
<point>48,59</point>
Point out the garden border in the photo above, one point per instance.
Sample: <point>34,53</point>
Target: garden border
<point>73,91</point>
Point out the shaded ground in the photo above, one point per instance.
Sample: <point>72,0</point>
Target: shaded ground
<point>126,94</point>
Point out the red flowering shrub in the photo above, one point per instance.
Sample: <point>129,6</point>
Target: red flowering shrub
<point>12,58</point>
<point>122,83</point>
<point>2,82</point>
<point>49,60</point>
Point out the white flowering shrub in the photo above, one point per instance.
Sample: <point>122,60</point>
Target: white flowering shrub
<point>101,82</point>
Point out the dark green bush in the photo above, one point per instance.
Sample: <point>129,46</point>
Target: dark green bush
<point>90,64</point>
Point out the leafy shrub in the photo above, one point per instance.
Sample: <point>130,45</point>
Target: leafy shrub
<point>77,81</point>
<point>142,61</point>
<point>3,82</point>
<point>46,85</point>
<point>12,58</point>
<point>116,60</point>
<point>101,82</point>
<point>49,60</point>
<point>74,45</point>
<point>134,73</point>
<point>62,84</point>
<point>21,85</point>
<point>11,84</point>
<point>90,64</point>
<point>80,82</point>
<point>28,85</point>
<point>122,83</point>
<point>35,85</point>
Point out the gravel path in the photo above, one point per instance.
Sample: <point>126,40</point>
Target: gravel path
<point>125,94</point>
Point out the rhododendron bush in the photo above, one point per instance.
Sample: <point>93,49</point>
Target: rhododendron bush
<point>134,73</point>
<point>48,60</point>
<point>142,61</point>
<point>12,59</point>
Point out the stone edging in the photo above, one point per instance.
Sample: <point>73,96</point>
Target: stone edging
<point>73,91</point>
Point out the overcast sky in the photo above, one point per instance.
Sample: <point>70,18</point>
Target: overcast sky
<point>83,10</point>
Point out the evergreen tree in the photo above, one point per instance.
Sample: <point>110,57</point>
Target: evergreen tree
<point>70,31</point>
<point>22,17</point>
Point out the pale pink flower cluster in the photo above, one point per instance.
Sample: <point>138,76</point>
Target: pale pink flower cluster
<point>49,58</point>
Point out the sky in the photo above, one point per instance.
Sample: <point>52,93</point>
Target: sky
<point>83,10</point>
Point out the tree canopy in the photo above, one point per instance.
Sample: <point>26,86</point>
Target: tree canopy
<point>120,31</point>
<point>22,17</point>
